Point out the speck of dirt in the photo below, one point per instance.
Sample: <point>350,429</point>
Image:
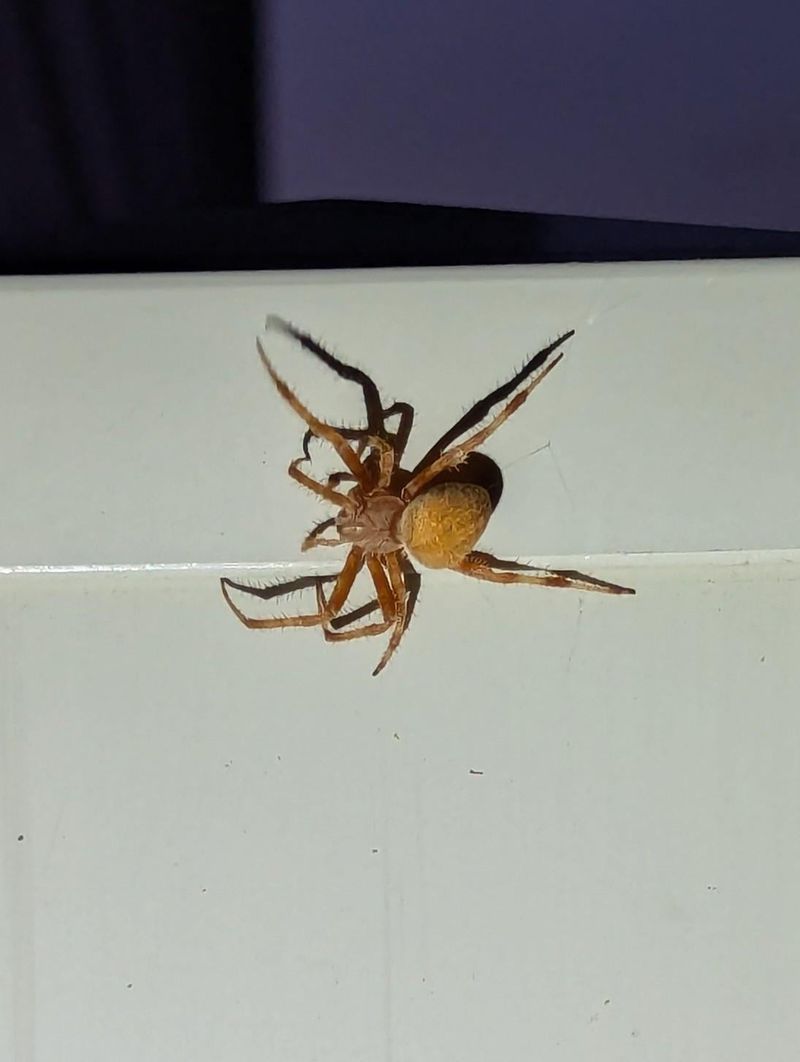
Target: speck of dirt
<point>21,837</point>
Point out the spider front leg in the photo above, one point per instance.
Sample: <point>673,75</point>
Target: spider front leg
<point>342,447</point>
<point>322,490</point>
<point>398,438</point>
<point>494,570</point>
<point>356,435</point>
<point>376,414</point>
<point>372,398</point>
<point>439,458</point>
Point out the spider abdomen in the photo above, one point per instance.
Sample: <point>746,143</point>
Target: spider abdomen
<point>441,526</point>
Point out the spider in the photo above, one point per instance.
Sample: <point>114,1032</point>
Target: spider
<point>433,514</point>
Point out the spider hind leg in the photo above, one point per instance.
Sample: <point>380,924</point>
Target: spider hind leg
<point>479,565</point>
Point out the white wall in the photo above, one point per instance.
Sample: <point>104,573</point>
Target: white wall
<point>240,845</point>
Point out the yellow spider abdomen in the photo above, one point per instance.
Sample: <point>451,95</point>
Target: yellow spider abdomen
<point>440,526</point>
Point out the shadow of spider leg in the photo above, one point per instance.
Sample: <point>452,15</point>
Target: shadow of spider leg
<point>413,582</point>
<point>273,593</point>
<point>439,457</point>
<point>314,537</point>
<point>377,415</point>
<point>385,601</point>
<point>397,584</point>
<point>343,584</point>
<point>398,439</point>
<point>392,600</point>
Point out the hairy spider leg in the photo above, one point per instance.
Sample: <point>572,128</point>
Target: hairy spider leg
<point>491,569</point>
<point>413,582</point>
<point>325,490</point>
<point>320,489</point>
<point>376,414</point>
<point>399,437</point>
<point>372,398</point>
<point>386,601</point>
<point>340,445</point>
<point>341,591</point>
<point>396,599</point>
<point>453,457</point>
<point>398,584</point>
<point>481,408</point>
<point>270,593</point>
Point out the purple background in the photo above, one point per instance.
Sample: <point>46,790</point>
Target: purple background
<point>676,111</point>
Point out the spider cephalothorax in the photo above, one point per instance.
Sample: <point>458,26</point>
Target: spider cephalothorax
<point>434,514</point>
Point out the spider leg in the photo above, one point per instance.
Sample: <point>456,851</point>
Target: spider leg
<point>400,592</point>
<point>379,468</point>
<point>342,586</point>
<point>372,398</point>
<point>271,593</point>
<point>494,570</point>
<point>320,489</point>
<point>413,582</point>
<point>398,439</point>
<point>481,409</point>
<point>452,458</point>
<point>376,415</point>
<point>351,434</point>
<point>324,431</point>
<point>385,601</point>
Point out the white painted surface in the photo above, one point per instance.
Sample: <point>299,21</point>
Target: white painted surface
<point>139,426</point>
<point>239,845</point>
